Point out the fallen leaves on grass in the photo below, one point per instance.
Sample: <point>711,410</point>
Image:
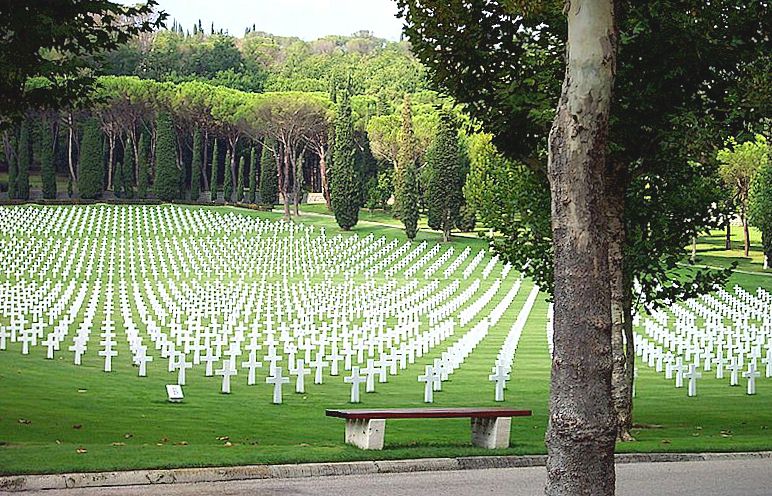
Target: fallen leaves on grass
<point>128,435</point>
<point>82,390</point>
<point>118,444</point>
<point>181,443</point>
<point>228,444</point>
<point>666,441</point>
<point>25,421</point>
<point>223,438</point>
<point>81,450</point>
<point>77,426</point>
<point>726,433</point>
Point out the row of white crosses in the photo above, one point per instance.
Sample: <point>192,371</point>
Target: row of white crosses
<point>505,358</point>
<point>231,293</point>
<point>726,332</point>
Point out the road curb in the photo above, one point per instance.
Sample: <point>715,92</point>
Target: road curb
<point>21,483</point>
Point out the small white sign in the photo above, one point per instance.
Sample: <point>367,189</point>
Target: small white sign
<point>174,391</point>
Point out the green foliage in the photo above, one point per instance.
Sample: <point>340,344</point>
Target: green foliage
<point>167,174</point>
<point>345,189</point>
<point>269,179</point>
<point>144,167</point>
<point>91,169</point>
<point>252,176</point>
<point>760,201</point>
<point>46,159</point>
<point>55,40</point>
<point>196,166</point>
<point>24,161</point>
<point>13,170</point>
<point>380,188</point>
<point>227,186</point>
<point>240,181</point>
<point>213,180</point>
<point>128,168</point>
<point>409,200</point>
<point>446,177</point>
<point>514,201</point>
<point>406,195</point>
<point>738,165</point>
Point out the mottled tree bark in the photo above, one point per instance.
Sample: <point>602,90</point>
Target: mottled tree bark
<point>617,237</point>
<point>582,425</point>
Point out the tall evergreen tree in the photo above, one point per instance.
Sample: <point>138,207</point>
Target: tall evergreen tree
<point>24,159</point>
<point>144,166</point>
<point>406,192</point>
<point>167,175</point>
<point>760,204</point>
<point>120,179</point>
<point>252,176</point>
<point>227,185</point>
<point>213,179</point>
<point>47,166</point>
<point>446,177</point>
<point>196,166</point>
<point>128,168</point>
<point>240,182</point>
<point>410,198</point>
<point>345,185</point>
<point>91,173</point>
<point>269,178</point>
<point>13,169</point>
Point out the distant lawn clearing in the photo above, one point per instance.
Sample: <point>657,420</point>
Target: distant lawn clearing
<point>58,417</point>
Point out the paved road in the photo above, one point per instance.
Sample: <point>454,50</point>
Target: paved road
<point>715,478</point>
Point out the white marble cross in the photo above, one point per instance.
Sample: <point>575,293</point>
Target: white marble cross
<point>428,380</point>
<point>252,364</point>
<point>500,377</point>
<point>355,380</point>
<point>278,381</point>
<point>751,374</point>
<point>300,372</point>
<point>692,375</point>
<point>226,372</point>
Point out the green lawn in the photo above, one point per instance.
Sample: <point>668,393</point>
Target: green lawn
<point>51,409</point>
<point>711,250</point>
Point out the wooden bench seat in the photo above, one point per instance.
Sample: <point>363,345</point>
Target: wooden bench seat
<point>490,426</point>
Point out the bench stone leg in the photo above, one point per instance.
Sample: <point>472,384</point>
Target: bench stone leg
<point>365,434</point>
<point>491,433</point>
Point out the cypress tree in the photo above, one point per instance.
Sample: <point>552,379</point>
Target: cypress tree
<point>345,184</point>
<point>410,194</point>
<point>167,175</point>
<point>144,167</point>
<point>227,186</point>
<point>446,180</point>
<point>24,159</point>
<point>240,182</point>
<point>213,180</point>
<point>13,170</point>
<point>195,167</point>
<point>128,168</point>
<point>91,173</point>
<point>406,194</point>
<point>406,152</point>
<point>252,176</point>
<point>47,166</point>
<point>120,179</point>
<point>269,178</point>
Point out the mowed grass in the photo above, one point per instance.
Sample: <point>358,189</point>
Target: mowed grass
<point>49,410</point>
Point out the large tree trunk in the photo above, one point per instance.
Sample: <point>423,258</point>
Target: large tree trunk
<point>746,236</point>
<point>285,180</point>
<point>70,145</point>
<point>323,172</point>
<point>110,160</point>
<point>582,425</point>
<point>621,388</point>
<point>205,160</point>
<point>728,241</point>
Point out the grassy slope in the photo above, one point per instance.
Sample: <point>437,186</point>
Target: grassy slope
<point>121,408</point>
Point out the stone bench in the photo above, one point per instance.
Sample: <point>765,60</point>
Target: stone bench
<point>490,426</point>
